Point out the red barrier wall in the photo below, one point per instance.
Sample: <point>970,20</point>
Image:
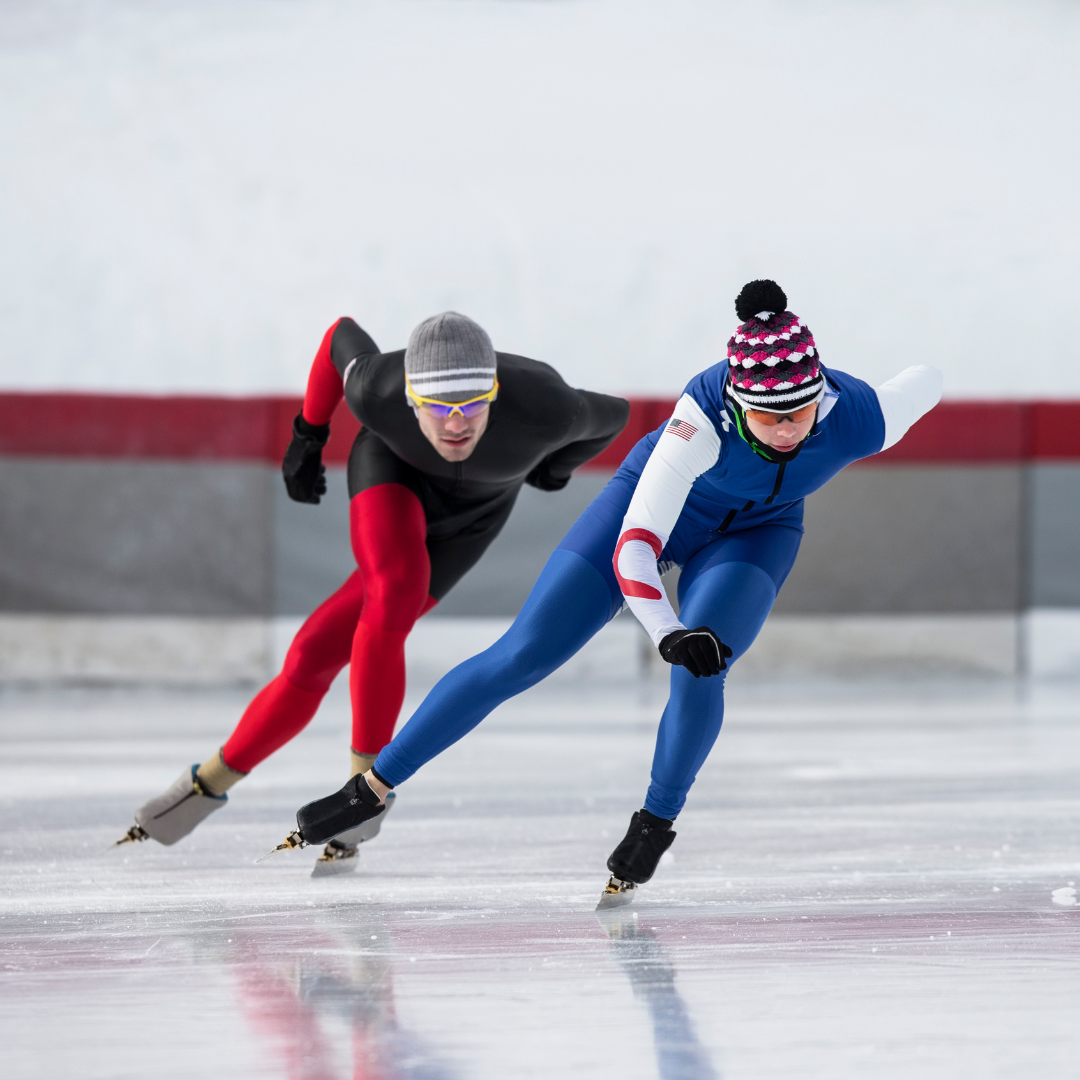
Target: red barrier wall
<point>257,429</point>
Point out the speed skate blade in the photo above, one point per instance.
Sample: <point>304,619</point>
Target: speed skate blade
<point>616,894</point>
<point>325,867</point>
<point>133,836</point>
<point>290,843</point>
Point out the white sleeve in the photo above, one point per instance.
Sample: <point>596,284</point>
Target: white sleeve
<point>687,447</point>
<point>906,397</point>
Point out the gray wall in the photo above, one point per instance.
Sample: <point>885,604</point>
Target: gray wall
<point>931,539</point>
<point>892,538</point>
<point>88,536</point>
<point>135,537</point>
<point>1054,536</point>
<point>312,552</point>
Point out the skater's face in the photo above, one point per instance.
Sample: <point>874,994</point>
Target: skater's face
<point>455,436</point>
<point>781,433</point>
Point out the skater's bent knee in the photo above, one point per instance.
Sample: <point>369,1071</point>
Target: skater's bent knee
<point>394,601</point>
<point>307,669</point>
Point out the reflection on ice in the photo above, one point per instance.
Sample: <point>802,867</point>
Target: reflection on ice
<point>321,993</point>
<point>679,1053</point>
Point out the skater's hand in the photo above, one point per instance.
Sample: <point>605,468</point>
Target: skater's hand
<point>304,472</point>
<point>699,650</point>
<point>542,479</point>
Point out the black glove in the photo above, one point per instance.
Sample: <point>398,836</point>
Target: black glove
<point>699,650</point>
<point>541,478</point>
<point>304,472</point>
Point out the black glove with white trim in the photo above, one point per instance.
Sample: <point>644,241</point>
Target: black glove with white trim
<point>304,472</point>
<point>699,650</point>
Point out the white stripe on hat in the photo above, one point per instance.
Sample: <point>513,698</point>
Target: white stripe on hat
<point>770,402</point>
<point>443,373</point>
<point>430,387</point>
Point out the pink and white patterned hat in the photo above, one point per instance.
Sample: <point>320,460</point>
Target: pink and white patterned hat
<point>772,359</point>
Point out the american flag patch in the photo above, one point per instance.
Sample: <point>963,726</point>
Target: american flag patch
<point>682,429</point>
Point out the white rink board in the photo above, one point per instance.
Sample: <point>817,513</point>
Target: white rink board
<point>173,651</point>
<point>863,884</point>
<point>1052,641</point>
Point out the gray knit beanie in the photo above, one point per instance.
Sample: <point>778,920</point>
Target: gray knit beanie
<point>450,358</point>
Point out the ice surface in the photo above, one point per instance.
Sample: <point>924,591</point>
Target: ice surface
<point>863,883</point>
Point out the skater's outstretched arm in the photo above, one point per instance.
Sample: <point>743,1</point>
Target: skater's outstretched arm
<point>599,420</point>
<point>343,345</point>
<point>906,397</point>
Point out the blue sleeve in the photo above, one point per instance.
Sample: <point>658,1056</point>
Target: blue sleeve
<point>856,421</point>
<point>707,390</point>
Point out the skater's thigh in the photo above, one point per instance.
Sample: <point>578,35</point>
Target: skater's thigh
<point>594,535</point>
<point>731,584</point>
<point>771,548</point>
<point>568,605</point>
<point>452,557</point>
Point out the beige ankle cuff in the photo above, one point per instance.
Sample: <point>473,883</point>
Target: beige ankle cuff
<point>361,762</point>
<point>216,776</point>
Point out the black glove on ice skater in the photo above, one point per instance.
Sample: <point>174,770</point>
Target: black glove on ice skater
<point>699,650</point>
<point>304,472</point>
<point>542,479</point>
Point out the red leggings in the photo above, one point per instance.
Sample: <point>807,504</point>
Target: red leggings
<point>365,624</point>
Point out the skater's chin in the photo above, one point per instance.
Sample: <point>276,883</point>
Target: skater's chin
<point>456,449</point>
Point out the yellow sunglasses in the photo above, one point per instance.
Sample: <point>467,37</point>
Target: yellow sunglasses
<point>443,409</point>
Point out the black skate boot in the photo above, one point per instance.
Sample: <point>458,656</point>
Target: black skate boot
<point>340,856</point>
<point>322,820</point>
<point>634,860</point>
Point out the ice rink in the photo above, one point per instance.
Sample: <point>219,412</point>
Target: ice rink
<point>870,878</point>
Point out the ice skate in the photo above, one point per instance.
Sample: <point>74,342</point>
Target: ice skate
<point>320,821</point>
<point>341,856</point>
<point>617,893</point>
<point>635,858</point>
<point>171,816</point>
<point>337,858</point>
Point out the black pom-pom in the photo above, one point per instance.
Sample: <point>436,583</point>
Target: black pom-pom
<point>758,296</point>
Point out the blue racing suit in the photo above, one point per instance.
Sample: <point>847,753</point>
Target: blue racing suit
<point>736,533</point>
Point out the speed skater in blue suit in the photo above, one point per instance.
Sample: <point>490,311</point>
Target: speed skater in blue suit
<point>717,490</point>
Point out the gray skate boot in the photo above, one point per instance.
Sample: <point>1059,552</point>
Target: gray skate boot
<point>170,817</point>
<point>340,856</point>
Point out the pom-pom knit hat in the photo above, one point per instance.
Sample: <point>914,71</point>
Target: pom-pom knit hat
<point>772,359</point>
<point>450,358</point>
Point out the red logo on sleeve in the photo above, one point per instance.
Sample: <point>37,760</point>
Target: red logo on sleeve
<point>629,586</point>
